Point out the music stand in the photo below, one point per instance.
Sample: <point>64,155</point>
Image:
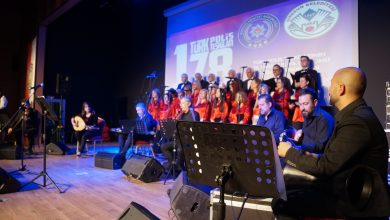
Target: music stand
<point>233,157</point>
<point>48,113</point>
<point>168,127</point>
<point>140,127</point>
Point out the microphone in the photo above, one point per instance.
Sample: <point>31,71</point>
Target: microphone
<point>244,67</point>
<point>37,86</point>
<point>266,62</point>
<point>289,58</point>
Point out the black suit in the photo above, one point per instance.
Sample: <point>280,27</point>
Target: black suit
<point>358,139</point>
<point>204,84</point>
<point>182,85</point>
<point>313,77</point>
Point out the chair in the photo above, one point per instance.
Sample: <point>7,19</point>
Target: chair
<point>101,123</point>
<point>144,145</point>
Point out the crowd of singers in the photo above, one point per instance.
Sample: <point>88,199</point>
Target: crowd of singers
<point>236,101</point>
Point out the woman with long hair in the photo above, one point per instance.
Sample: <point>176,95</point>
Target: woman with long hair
<point>281,97</point>
<point>155,104</point>
<point>234,87</point>
<point>220,108</point>
<point>202,105</point>
<point>91,129</point>
<point>241,111</point>
<point>165,111</point>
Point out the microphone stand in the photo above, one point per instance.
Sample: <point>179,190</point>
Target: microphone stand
<point>172,166</point>
<point>265,67</point>
<point>152,81</point>
<point>242,72</point>
<point>288,64</point>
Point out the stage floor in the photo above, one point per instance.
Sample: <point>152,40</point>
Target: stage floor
<point>90,192</point>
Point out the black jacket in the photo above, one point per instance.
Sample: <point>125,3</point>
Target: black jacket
<point>358,139</point>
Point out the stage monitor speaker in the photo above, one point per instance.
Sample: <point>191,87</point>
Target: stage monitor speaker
<point>8,184</point>
<point>57,149</point>
<point>109,160</point>
<point>136,211</point>
<point>188,202</point>
<point>144,168</point>
<point>9,151</point>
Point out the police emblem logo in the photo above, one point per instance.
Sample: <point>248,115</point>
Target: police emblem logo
<point>311,19</point>
<point>258,30</point>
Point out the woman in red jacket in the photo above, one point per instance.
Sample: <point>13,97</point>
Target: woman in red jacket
<point>202,106</point>
<point>155,104</point>
<point>220,108</point>
<point>165,111</point>
<point>241,111</point>
<point>281,97</point>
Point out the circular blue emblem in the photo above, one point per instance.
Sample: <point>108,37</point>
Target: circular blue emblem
<point>258,30</point>
<point>311,19</point>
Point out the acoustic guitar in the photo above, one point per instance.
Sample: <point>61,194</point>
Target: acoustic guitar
<point>80,125</point>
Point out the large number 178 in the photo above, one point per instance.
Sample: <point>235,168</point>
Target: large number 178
<point>220,61</point>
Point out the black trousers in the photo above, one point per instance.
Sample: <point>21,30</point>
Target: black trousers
<point>82,137</point>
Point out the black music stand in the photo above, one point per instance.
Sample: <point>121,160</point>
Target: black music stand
<point>235,158</point>
<point>140,127</point>
<point>168,127</point>
<point>48,113</point>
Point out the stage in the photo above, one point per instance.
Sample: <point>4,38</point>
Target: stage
<point>90,192</point>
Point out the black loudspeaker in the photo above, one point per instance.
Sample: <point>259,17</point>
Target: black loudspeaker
<point>62,85</point>
<point>109,160</point>
<point>144,168</point>
<point>57,149</point>
<point>9,151</point>
<point>8,184</point>
<point>136,211</point>
<point>188,202</point>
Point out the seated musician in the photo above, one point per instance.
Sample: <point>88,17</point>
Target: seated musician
<point>142,115</point>
<point>317,126</point>
<point>357,140</point>
<point>91,129</point>
<point>270,117</point>
<point>26,119</point>
<point>187,114</point>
